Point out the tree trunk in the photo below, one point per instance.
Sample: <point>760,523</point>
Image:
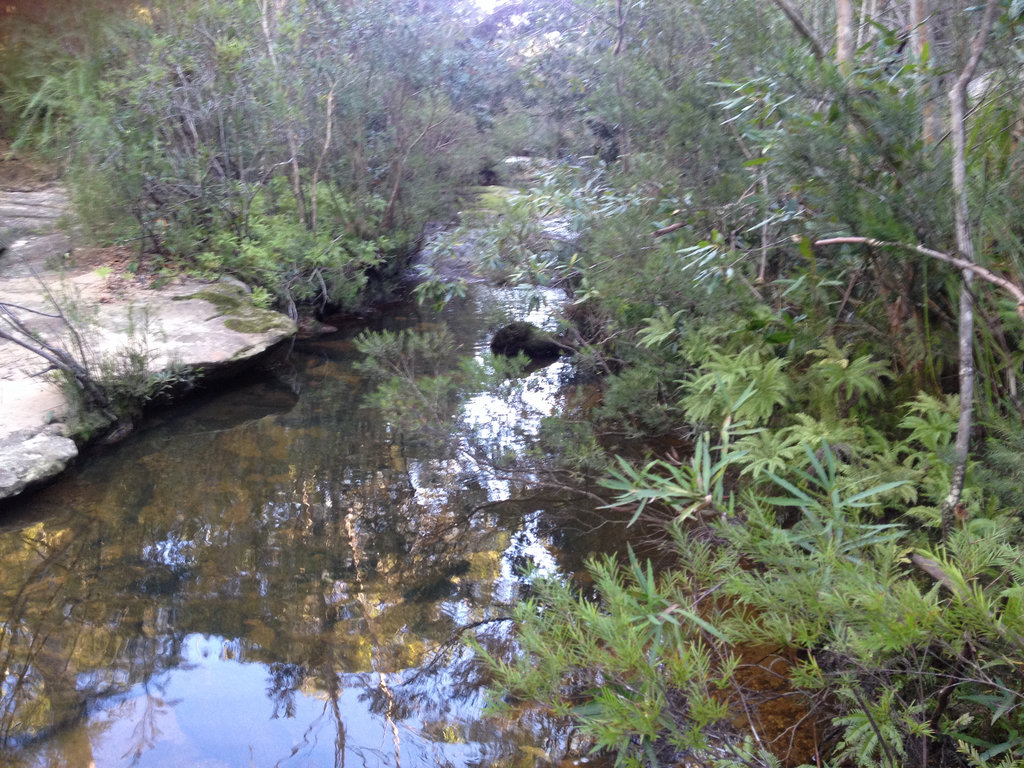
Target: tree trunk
<point>845,36</point>
<point>268,21</point>
<point>866,32</point>
<point>323,153</point>
<point>920,46</point>
<point>965,246</point>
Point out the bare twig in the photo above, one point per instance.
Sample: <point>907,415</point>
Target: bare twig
<point>670,228</point>
<point>454,639</point>
<point>847,294</point>
<point>59,358</point>
<point>890,758</point>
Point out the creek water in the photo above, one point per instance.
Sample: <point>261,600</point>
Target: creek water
<point>273,576</point>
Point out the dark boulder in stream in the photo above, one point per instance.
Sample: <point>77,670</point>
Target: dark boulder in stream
<point>528,339</point>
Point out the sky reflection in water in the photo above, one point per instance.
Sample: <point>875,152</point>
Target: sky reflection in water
<point>270,578</point>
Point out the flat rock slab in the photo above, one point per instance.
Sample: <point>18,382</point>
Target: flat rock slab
<point>28,457</point>
<point>84,299</point>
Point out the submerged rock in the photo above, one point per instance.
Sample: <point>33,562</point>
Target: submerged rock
<point>311,328</point>
<point>528,339</point>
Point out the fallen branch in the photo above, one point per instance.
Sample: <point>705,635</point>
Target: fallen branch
<point>1016,291</point>
<point>57,357</point>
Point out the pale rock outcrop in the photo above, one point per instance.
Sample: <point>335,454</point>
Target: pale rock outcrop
<point>191,324</point>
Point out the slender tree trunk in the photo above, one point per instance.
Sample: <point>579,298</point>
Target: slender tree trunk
<point>866,32</point>
<point>620,27</point>
<point>845,36</point>
<point>269,23</point>
<point>965,246</point>
<point>404,145</point>
<point>401,150</point>
<point>621,13</point>
<point>920,46</point>
<point>323,154</point>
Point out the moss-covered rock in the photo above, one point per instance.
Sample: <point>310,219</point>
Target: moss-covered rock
<point>241,315</point>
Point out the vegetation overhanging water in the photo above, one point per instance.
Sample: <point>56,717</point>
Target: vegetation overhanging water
<point>273,576</point>
<point>800,250</point>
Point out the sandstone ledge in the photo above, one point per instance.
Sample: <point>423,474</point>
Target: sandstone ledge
<point>28,457</point>
<point>211,329</point>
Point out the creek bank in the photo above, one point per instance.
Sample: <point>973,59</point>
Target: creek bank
<point>182,325</point>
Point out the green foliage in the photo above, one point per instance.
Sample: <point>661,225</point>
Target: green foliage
<point>282,256</point>
<point>880,639</point>
<point>128,379</point>
<point>233,138</point>
<point>417,377</point>
<point>573,446</point>
<point>705,151</point>
<point>871,735</point>
<point>636,668</point>
<point>696,488</point>
<point>749,384</point>
<point>931,421</point>
<point>435,291</point>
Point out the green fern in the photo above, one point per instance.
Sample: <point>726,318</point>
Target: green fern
<point>857,377</point>
<point>815,432</point>
<point>871,736</point>
<point>931,420</point>
<point>692,489</point>
<point>659,328</point>
<point>1003,469</point>
<point>768,450</point>
<point>748,386</point>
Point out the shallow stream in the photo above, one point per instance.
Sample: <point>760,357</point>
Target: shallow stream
<point>273,576</point>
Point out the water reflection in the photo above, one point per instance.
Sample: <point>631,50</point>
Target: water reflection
<point>274,577</point>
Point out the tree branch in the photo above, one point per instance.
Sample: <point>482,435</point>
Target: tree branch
<point>1016,291</point>
<point>58,358</point>
<point>670,228</point>
<point>794,15</point>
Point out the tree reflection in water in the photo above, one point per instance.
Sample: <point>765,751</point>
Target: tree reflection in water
<point>273,579</point>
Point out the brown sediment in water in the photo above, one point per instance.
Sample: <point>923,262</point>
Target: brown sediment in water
<point>781,718</point>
